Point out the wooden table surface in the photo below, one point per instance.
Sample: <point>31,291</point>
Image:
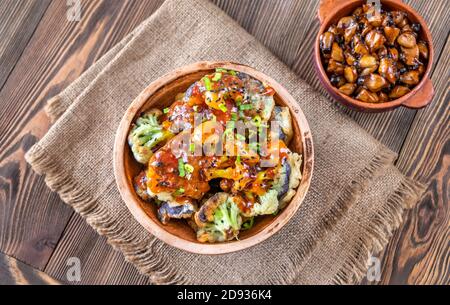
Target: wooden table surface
<point>41,52</point>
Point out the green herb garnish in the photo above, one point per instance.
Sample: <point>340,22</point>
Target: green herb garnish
<point>181,170</point>
<point>166,110</point>
<point>207,83</point>
<point>221,70</point>
<point>217,76</point>
<point>189,168</point>
<point>245,107</point>
<point>192,147</point>
<point>223,107</point>
<point>179,191</point>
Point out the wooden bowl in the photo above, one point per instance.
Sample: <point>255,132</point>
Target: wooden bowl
<point>330,11</point>
<point>160,94</point>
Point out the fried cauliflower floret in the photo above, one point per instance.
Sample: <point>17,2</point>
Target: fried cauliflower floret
<point>146,134</point>
<point>218,219</point>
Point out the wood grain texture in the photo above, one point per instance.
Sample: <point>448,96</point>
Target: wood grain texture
<point>14,272</point>
<point>420,250</point>
<point>18,20</point>
<point>32,219</point>
<point>100,263</point>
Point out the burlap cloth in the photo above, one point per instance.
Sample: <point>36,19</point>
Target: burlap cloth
<point>355,200</point>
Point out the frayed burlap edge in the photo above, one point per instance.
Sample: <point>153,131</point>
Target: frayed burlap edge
<point>54,108</point>
<point>378,232</point>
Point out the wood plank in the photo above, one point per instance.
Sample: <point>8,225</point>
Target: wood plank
<point>419,250</point>
<point>286,27</point>
<point>32,218</point>
<point>100,263</point>
<point>14,272</point>
<point>18,21</point>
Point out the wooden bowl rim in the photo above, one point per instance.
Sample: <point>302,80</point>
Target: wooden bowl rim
<point>374,106</point>
<point>128,195</point>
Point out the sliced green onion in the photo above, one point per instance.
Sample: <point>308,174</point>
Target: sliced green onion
<point>257,120</point>
<point>246,107</point>
<point>223,107</point>
<point>231,72</point>
<point>238,159</point>
<point>192,147</point>
<point>207,83</point>
<point>181,170</point>
<point>234,117</point>
<point>179,191</point>
<point>189,168</point>
<point>166,110</point>
<point>217,76</point>
<point>221,70</point>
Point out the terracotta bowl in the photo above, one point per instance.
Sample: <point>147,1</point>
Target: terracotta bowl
<point>330,11</point>
<point>160,94</point>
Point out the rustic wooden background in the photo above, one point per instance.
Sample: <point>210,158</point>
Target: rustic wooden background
<point>41,52</point>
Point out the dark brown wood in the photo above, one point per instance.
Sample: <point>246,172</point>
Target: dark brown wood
<point>288,28</point>
<point>419,250</point>
<point>18,21</point>
<point>32,218</point>
<point>100,263</point>
<point>14,272</point>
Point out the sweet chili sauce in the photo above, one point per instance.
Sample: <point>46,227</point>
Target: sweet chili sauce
<point>246,179</point>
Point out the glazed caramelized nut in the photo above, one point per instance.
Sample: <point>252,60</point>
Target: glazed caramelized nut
<point>374,40</point>
<point>364,26</point>
<point>350,74</point>
<point>410,78</point>
<point>367,61</point>
<point>410,56</point>
<point>374,82</point>
<point>326,41</point>
<point>347,89</point>
<point>398,91</point>
<point>388,69</point>
<point>374,56</point>
<point>398,17</point>
<point>367,96</point>
<point>407,40</point>
<point>337,53</point>
<point>349,25</point>
<point>391,34</point>
<point>393,54</point>
<point>349,58</point>
<point>335,67</point>
<point>383,97</point>
<point>423,49</point>
<point>374,17</point>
